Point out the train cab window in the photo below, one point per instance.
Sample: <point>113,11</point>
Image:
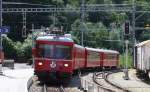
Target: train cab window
<point>54,51</point>
<point>62,52</point>
<point>45,51</point>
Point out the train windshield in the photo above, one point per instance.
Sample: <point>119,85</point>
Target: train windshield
<point>54,51</point>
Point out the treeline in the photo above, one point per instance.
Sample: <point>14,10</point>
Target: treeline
<point>101,29</point>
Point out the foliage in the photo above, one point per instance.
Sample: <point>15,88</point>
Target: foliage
<point>116,39</point>
<point>27,46</point>
<point>17,50</point>
<point>94,34</point>
<point>9,48</point>
<point>97,25</point>
<point>145,36</point>
<point>122,61</point>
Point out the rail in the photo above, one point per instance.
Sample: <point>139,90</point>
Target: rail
<point>104,75</point>
<point>53,89</point>
<point>95,86</point>
<point>44,88</point>
<point>119,87</point>
<point>92,87</point>
<point>61,89</point>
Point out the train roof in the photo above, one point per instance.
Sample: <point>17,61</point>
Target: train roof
<point>144,43</point>
<point>102,50</point>
<point>54,38</point>
<point>79,46</point>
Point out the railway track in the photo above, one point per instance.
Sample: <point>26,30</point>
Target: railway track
<point>98,78</point>
<point>53,89</point>
<point>37,86</point>
<point>101,79</point>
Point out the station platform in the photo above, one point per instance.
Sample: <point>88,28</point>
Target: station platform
<point>15,80</point>
<point>134,84</point>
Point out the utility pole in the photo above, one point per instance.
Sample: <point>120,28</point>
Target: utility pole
<point>33,43</point>
<point>0,13</point>
<point>54,17</point>
<point>82,8</point>
<point>1,48</point>
<point>24,28</point>
<point>32,35</point>
<point>133,28</point>
<point>82,12</point>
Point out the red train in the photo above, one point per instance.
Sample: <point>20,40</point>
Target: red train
<point>57,57</point>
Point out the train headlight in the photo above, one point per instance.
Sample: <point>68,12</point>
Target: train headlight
<point>40,63</point>
<point>66,65</point>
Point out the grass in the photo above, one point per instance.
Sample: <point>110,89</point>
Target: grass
<point>122,61</point>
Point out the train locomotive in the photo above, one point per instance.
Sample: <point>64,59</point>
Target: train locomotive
<point>57,57</point>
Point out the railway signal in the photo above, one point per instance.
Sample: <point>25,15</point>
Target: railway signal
<point>127,28</point>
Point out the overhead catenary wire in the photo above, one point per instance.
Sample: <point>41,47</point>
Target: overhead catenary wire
<point>20,3</point>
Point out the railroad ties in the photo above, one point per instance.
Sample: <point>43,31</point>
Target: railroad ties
<point>38,86</point>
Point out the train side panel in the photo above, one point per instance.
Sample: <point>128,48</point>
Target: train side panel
<point>79,57</point>
<point>93,58</point>
<point>110,60</point>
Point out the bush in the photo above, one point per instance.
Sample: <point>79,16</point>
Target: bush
<point>9,48</point>
<point>18,51</point>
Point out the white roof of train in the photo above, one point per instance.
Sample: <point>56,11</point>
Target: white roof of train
<point>79,46</point>
<point>54,38</point>
<point>147,42</point>
<point>102,50</point>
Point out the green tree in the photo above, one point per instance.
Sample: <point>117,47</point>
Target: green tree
<point>9,48</point>
<point>144,36</point>
<point>94,34</point>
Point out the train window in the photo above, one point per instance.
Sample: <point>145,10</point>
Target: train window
<point>110,57</point>
<point>45,51</point>
<point>62,52</point>
<point>54,51</point>
<point>93,56</point>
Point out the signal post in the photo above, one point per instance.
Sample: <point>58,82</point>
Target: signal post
<point>126,37</point>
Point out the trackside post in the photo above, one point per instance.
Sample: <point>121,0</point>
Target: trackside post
<point>126,77</point>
